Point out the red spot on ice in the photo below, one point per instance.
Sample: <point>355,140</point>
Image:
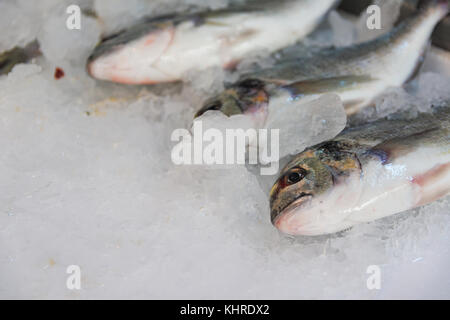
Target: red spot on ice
<point>59,73</point>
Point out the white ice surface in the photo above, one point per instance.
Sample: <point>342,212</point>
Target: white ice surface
<point>20,32</point>
<point>86,179</point>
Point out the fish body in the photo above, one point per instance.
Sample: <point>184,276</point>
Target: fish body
<point>365,173</point>
<point>356,73</point>
<point>162,49</point>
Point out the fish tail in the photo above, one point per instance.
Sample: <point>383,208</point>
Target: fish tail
<point>7,62</point>
<point>428,14</point>
<point>18,55</point>
<point>441,6</point>
<point>32,50</point>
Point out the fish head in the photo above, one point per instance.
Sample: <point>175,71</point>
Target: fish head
<point>131,56</point>
<point>308,197</point>
<point>246,97</point>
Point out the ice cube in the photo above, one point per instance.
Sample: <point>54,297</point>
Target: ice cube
<point>63,46</point>
<point>303,124</point>
<point>19,28</point>
<point>344,30</point>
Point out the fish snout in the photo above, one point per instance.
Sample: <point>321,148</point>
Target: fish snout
<point>289,220</point>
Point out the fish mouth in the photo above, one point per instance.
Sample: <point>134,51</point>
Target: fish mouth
<point>301,200</point>
<point>286,222</point>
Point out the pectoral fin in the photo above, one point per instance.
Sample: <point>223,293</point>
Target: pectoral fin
<point>215,23</point>
<point>391,150</point>
<point>324,85</point>
<point>433,183</point>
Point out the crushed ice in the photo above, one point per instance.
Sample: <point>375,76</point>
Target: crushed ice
<point>86,179</point>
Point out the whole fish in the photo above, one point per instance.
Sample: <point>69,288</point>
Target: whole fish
<point>364,174</point>
<point>356,73</point>
<point>162,49</point>
<point>10,58</point>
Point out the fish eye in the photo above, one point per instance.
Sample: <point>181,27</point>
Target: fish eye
<point>250,86</point>
<point>250,83</point>
<point>296,176</point>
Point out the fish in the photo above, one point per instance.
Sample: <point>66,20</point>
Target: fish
<point>366,173</point>
<point>357,73</point>
<point>162,49</point>
<point>16,55</point>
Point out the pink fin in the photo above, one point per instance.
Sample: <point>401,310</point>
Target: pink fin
<point>434,183</point>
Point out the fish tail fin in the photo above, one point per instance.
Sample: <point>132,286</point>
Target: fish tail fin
<point>441,6</point>
<point>423,18</point>
<point>16,55</point>
<point>32,50</point>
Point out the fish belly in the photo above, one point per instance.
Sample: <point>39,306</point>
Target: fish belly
<point>224,41</point>
<point>411,180</point>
